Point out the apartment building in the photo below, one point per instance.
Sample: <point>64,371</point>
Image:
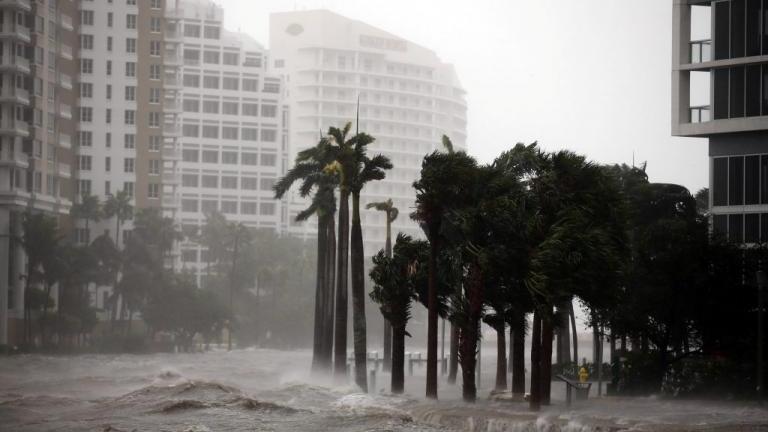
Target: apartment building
<point>720,92</point>
<point>37,99</point>
<point>234,123</point>
<point>408,98</point>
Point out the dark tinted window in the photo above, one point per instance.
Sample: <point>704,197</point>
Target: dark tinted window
<point>721,93</point>
<point>764,228</point>
<point>752,228</point>
<point>721,31</point>
<point>720,182</point>
<point>720,225</point>
<point>765,86</point>
<point>764,179</point>
<point>737,92</point>
<point>735,228</point>
<point>753,27</point>
<point>736,180</point>
<point>737,28</point>
<point>753,91</point>
<point>752,180</point>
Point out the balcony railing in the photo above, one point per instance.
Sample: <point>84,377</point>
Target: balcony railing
<point>65,81</point>
<point>65,170</point>
<point>700,114</point>
<point>20,4</point>
<point>66,22</point>
<point>15,31</point>
<point>66,51</point>
<point>65,140</point>
<point>18,159</point>
<point>15,62</point>
<point>65,111</point>
<point>701,51</point>
<point>14,94</point>
<point>11,127</point>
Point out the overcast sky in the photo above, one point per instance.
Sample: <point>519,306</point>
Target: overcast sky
<point>592,76</point>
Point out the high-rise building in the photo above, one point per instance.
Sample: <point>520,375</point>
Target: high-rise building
<point>408,98</point>
<point>36,128</point>
<point>720,92</point>
<point>233,126</point>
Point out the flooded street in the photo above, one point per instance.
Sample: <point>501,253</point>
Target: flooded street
<point>265,390</point>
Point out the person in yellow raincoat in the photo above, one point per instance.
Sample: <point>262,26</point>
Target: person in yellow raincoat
<point>583,375</point>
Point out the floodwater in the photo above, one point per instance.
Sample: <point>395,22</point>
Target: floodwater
<point>266,390</point>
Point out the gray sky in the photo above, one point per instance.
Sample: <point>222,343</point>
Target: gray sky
<point>592,76</point>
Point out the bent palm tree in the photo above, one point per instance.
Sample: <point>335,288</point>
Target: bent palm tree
<point>391,212</point>
<point>88,209</point>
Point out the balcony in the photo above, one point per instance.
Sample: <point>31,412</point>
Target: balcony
<point>171,130</point>
<point>24,5</point>
<point>171,178</point>
<point>15,159</point>
<point>171,154</point>
<point>65,51</point>
<point>65,141</point>
<point>14,128</point>
<point>14,95</point>
<point>172,59</point>
<point>15,32</point>
<point>65,111</point>
<point>173,36</point>
<point>701,51</point>
<point>171,201</point>
<point>17,64</point>
<point>66,22</point>
<point>174,14</point>
<point>172,82</point>
<point>700,114</point>
<point>65,171</point>
<point>172,106</point>
<point>65,81</point>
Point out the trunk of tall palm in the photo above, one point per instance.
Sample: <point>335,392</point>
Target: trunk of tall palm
<point>574,334</point>
<point>320,286</point>
<point>387,326</point>
<point>115,292</point>
<point>501,357</point>
<point>518,354</point>
<point>330,279</point>
<point>44,322</point>
<point>563,333</point>
<point>510,356</point>
<point>470,334</point>
<point>342,276</point>
<point>358,296</point>
<point>453,356</point>
<point>547,334</point>
<point>398,359</point>
<point>432,316</point>
<point>535,399</point>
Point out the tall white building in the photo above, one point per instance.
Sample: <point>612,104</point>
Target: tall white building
<point>233,127</point>
<point>408,99</point>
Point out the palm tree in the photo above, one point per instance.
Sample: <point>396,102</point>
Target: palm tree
<point>88,209</point>
<point>390,213</point>
<point>119,206</point>
<point>310,170</point>
<point>212,237</point>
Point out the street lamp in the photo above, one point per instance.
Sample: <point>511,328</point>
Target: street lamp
<point>762,279</point>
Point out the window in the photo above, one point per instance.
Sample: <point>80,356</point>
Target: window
<point>267,209</point>
<point>153,190</point>
<point>230,58</point>
<point>154,119</point>
<point>249,183</point>
<point>736,180</point>
<point>248,208</point>
<point>271,87</point>
<point>107,187</point>
<point>154,48</point>
<point>211,57</point>
<point>108,139</point>
<point>109,43</point>
<point>109,91</point>
<point>154,95</point>
<point>230,83</point>
<point>109,68</point>
<point>229,157</point>
<point>110,19</point>
<point>269,110</point>
<point>155,141</point>
<point>85,139</point>
<point>189,205</point>
<point>752,228</point>
<point>268,135</point>
<point>128,165</point>
<point>210,156</point>
<point>130,22</point>
<point>86,17</point>
<point>191,57</point>
<point>108,115</point>
<point>229,182</point>
<point>130,117</point>
<point>86,66</point>
<point>210,131</point>
<point>251,109</point>
<point>130,93</point>
<point>211,107</point>
<point>210,181</point>
<point>86,42</point>
<point>190,155</point>
<point>752,180</point>
<point>250,84</point>
<point>189,180</point>
<point>229,132</point>
<point>107,164</point>
<point>736,228</point>
<point>250,134</point>
<point>191,105</point>
<point>154,24</point>
<point>156,4</point>
<point>86,90</point>
<point>130,45</point>
<point>191,80</point>
<point>192,30</point>
<point>229,108</point>
<point>211,82</point>
<point>250,158</point>
<point>190,130</point>
<point>128,188</point>
<point>129,141</point>
<point>208,206</point>
<point>130,69</point>
<point>211,32</point>
<point>229,207</point>
<point>131,2</point>
<point>86,114</point>
<point>84,187</point>
<point>84,163</point>
<point>268,159</point>
<point>154,71</point>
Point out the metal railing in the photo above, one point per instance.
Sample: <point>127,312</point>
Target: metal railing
<point>701,51</point>
<point>700,114</point>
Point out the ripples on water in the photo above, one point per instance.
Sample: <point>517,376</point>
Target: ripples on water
<point>264,390</point>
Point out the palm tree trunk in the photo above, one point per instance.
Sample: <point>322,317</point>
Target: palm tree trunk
<point>563,333</point>
<point>358,297</point>
<point>511,354</point>
<point>330,279</point>
<point>470,335</point>
<point>432,316</point>
<point>501,357</point>
<point>342,275</point>
<point>574,334</point>
<point>398,359</point>
<point>387,326</point>
<point>317,345</point>
<point>535,399</point>
<point>453,356</point>
<point>547,333</point>
<point>518,354</point>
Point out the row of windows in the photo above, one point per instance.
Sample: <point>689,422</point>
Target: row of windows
<point>86,68</point>
<point>228,207</point>
<point>229,157</point>
<point>740,91</point>
<point>85,139</point>
<point>85,163</point>
<point>87,43</point>
<point>86,92</point>
<point>742,228</point>
<point>209,181</point>
<point>209,32</point>
<point>229,108</point>
<point>740,180</point>
<point>228,132</point>
<point>738,29</point>
<point>129,117</point>
<point>217,82</point>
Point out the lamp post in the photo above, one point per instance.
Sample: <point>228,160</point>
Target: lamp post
<point>762,279</point>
